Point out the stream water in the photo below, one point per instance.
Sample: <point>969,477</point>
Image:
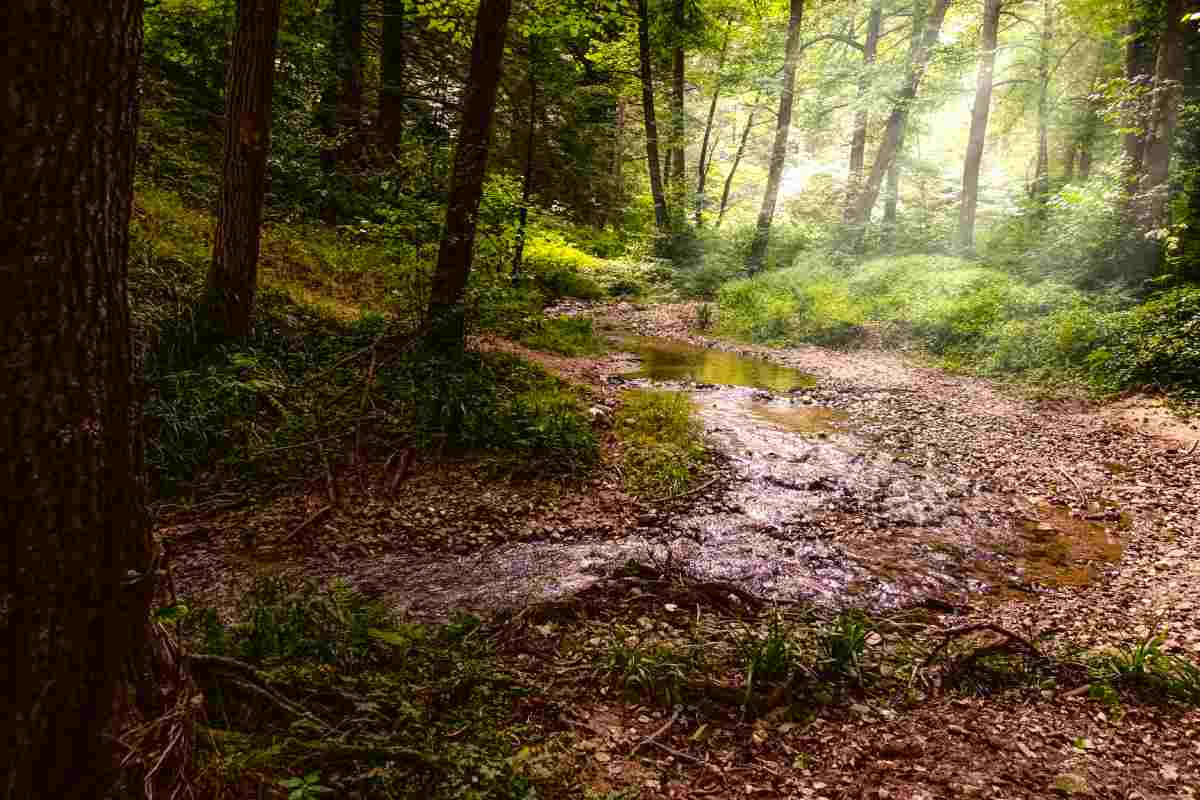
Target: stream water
<point>809,507</point>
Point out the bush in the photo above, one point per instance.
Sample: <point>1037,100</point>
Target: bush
<point>568,336</point>
<point>1154,344</point>
<point>493,402</point>
<point>661,442</point>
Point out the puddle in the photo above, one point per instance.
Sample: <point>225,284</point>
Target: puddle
<point>801,418</point>
<point>1061,550</point>
<point>667,360</point>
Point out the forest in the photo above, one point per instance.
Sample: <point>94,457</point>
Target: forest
<point>601,400</point>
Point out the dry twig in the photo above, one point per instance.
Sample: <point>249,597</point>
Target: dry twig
<point>316,515</point>
<point>954,633</point>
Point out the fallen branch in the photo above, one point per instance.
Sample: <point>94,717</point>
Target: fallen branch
<point>1082,497</point>
<point>954,633</point>
<point>316,515</point>
<point>1195,444</point>
<point>323,440</point>
<point>683,494</point>
<point>650,739</point>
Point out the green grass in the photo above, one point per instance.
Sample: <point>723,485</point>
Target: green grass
<point>661,441</point>
<point>566,336</point>
<point>974,317</point>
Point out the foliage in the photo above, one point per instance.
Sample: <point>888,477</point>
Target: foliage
<point>662,448</point>
<point>492,402</point>
<point>1148,671</point>
<point>568,336</point>
<point>841,643</point>
<point>1155,344</point>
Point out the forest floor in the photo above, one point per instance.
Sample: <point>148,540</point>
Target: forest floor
<point>879,484</point>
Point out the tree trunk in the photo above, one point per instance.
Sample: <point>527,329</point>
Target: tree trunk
<point>350,90</point>
<point>891,195</point>
<point>898,119</point>
<point>737,159</point>
<point>705,156</point>
<point>678,132</point>
<point>1139,66</point>
<point>527,178</point>
<point>233,277</point>
<point>979,121</point>
<point>858,141</point>
<point>76,558</point>
<point>1169,70</point>
<point>1041,174</point>
<point>661,219</point>
<point>392,63</point>
<point>466,183</point>
<point>1153,212</point>
<point>762,232</point>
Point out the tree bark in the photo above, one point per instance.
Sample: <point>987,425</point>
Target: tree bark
<point>661,219</point>
<point>898,119</point>
<point>678,124</point>
<point>233,277</point>
<point>76,559</point>
<point>1139,67</point>
<point>705,156</point>
<point>737,159</point>
<point>1169,70</point>
<point>466,186</point>
<point>858,141</point>
<point>979,121</point>
<point>392,65</point>
<point>762,232</point>
<point>527,178</point>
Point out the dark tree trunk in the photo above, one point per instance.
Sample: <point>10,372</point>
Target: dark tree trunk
<point>77,557</point>
<point>392,63</point>
<point>661,219</point>
<point>233,277</point>
<point>858,140</point>
<point>1139,67</point>
<point>705,156</point>
<point>678,130</point>
<point>979,121</point>
<point>897,121</point>
<point>527,178</point>
<point>466,183</point>
<point>350,88</point>
<point>737,159</point>
<point>762,232</point>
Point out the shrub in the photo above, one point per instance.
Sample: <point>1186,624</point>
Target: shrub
<point>1154,344</point>
<point>661,442</point>
<point>568,336</point>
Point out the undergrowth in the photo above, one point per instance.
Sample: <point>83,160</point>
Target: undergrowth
<point>662,445</point>
<point>975,317</point>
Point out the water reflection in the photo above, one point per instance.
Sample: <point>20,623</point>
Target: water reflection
<point>666,360</point>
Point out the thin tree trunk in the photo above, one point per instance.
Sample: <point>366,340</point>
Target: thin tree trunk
<point>891,195</point>
<point>392,64</point>
<point>466,186</point>
<point>1041,175</point>
<point>234,273</point>
<point>898,119</point>
<point>618,144</point>
<point>527,178</point>
<point>76,559</point>
<point>678,132</point>
<point>350,91</point>
<point>762,232</point>
<point>979,121</point>
<point>661,219</point>
<point>705,157</point>
<point>858,141</point>
<point>737,159</point>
